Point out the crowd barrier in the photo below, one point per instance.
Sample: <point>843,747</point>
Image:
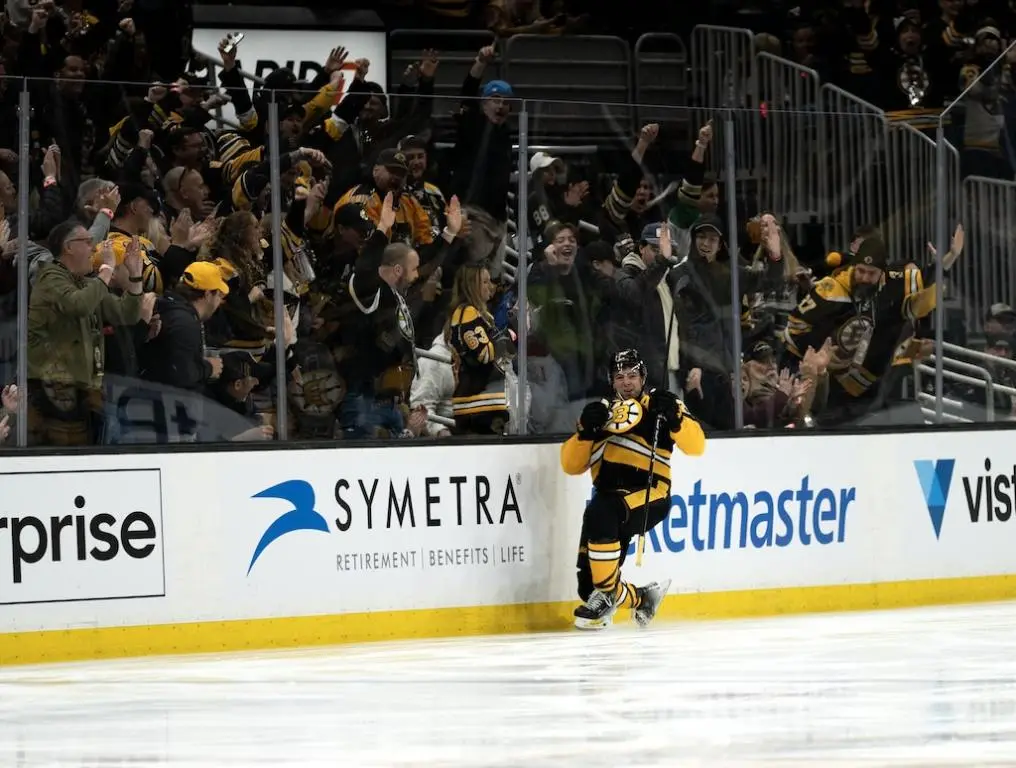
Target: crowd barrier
<point>819,153</point>
<point>855,190</point>
<point>838,144</point>
<point>990,216</point>
<point>104,556</point>
<point>723,77</point>
<point>977,371</point>
<point>793,175</point>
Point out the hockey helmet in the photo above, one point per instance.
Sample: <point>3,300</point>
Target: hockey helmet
<point>626,360</point>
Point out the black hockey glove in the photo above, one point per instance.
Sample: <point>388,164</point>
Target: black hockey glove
<point>593,419</point>
<point>663,405</point>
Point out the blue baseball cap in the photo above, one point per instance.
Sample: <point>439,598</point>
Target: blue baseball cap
<point>651,233</point>
<point>497,88</point>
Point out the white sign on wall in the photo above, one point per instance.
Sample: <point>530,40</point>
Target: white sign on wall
<point>304,51</point>
<point>69,536</point>
<point>364,533</point>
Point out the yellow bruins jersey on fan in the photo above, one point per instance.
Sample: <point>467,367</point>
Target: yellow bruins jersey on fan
<point>620,461</point>
<point>829,311</point>
<point>150,274</point>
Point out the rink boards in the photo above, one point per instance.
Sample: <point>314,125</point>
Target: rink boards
<point>104,556</point>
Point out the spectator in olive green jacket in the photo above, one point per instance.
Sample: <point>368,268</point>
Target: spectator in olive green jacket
<point>66,314</point>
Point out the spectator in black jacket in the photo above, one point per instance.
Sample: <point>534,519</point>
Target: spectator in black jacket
<point>647,319</point>
<point>558,194</point>
<point>707,316</point>
<point>484,162</point>
<point>379,333</point>
<point>626,209</point>
<point>176,357</point>
<point>605,268</point>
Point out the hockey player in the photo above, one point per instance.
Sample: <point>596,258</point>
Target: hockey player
<point>615,442</point>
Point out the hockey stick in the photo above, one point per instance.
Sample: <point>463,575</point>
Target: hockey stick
<point>649,487</point>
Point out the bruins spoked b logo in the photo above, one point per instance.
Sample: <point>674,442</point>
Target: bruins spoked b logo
<point>624,415</point>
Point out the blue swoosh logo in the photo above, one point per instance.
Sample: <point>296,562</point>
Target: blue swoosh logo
<point>303,516</point>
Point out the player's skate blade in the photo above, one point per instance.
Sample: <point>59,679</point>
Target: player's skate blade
<point>593,624</point>
<point>652,595</point>
<point>597,612</point>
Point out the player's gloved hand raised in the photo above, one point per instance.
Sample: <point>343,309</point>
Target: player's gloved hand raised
<point>664,405</point>
<point>593,419</point>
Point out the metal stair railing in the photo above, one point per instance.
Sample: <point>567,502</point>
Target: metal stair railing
<point>962,372</point>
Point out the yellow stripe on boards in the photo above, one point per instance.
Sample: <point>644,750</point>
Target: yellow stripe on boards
<point>260,634</point>
<point>837,597</point>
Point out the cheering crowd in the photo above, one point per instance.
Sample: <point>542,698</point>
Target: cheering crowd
<point>150,244</point>
<point>150,238</point>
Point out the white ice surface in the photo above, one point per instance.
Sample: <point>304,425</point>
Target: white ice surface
<point>919,687</point>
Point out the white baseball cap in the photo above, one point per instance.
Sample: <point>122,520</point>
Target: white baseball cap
<point>541,160</point>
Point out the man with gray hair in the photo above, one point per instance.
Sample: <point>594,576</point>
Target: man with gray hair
<point>94,205</point>
<point>66,314</point>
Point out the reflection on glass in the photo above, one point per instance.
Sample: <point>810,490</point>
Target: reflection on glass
<point>632,250</point>
<point>8,262</point>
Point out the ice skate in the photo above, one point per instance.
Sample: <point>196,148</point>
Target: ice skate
<point>651,595</point>
<point>597,612</point>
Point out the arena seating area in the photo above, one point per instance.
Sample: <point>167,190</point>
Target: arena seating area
<point>501,200</point>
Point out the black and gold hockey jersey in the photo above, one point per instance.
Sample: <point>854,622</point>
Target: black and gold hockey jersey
<point>151,275</point>
<point>432,200</point>
<point>865,331</point>
<point>620,462</point>
<point>481,386</point>
<point>412,223</point>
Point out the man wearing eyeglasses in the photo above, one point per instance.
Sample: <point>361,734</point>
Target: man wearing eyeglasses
<point>66,359</point>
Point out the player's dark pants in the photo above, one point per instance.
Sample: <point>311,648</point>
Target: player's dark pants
<point>608,518</point>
